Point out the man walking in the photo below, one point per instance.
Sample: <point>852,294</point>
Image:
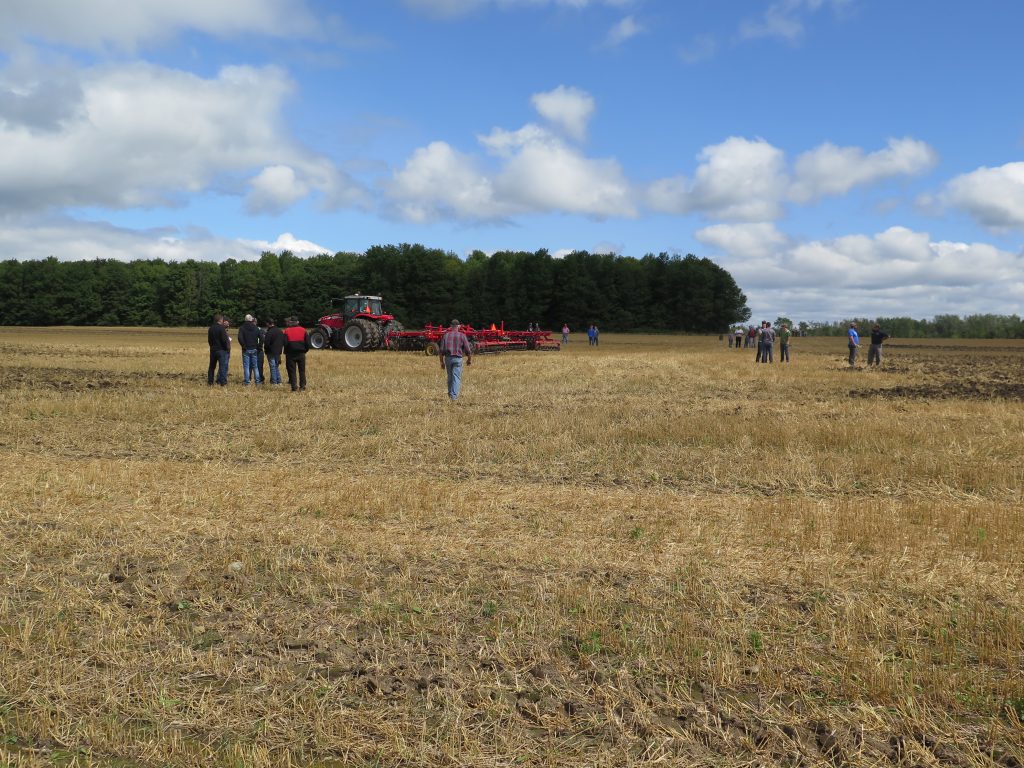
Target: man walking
<point>220,350</point>
<point>455,348</point>
<point>853,341</point>
<point>249,341</point>
<point>878,336</point>
<point>296,344</point>
<point>273,346</point>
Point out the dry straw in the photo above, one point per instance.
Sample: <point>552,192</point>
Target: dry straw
<point>651,552</point>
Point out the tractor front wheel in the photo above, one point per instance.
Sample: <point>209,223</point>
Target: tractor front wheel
<point>317,339</point>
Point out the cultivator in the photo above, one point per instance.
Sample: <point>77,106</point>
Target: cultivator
<point>484,340</point>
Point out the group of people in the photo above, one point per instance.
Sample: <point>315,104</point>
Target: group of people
<point>260,345</point>
<point>593,334</point>
<point>764,338</point>
<point>878,337</point>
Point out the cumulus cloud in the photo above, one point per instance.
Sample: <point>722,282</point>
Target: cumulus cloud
<point>895,272</point>
<point>98,23</point>
<point>567,108</point>
<point>831,170</point>
<point>622,31</point>
<point>439,182</point>
<point>993,196</point>
<point>142,135</point>
<point>737,180</point>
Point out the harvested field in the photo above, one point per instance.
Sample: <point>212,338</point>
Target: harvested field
<point>653,552</point>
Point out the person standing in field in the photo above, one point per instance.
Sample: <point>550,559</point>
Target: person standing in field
<point>739,337</point>
<point>220,351</point>
<point>273,346</point>
<point>759,340</point>
<point>296,344</point>
<point>767,343</point>
<point>592,335</point>
<point>565,333</point>
<point>249,341</point>
<point>784,336</point>
<point>454,349</point>
<point>597,336</point>
<point>260,357</point>
<point>878,336</point>
<point>853,342</point>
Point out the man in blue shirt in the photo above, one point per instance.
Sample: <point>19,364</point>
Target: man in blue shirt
<point>854,341</point>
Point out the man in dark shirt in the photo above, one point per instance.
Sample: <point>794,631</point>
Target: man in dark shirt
<point>249,341</point>
<point>296,344</point>
<point>220,351</point>
<point>878,336</point>
<point>273,346</point>
<point>455,348</point>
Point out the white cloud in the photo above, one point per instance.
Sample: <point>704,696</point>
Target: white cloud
<point>274,189</point>
<point>737,180</point>
<point>895,272</point>
<point>623,30</point>
<point>455,8</point>
<point>832,170</point>
<point>504,143</point>
<point>567,108</point>
<point>785,19</point>
<point>438,182</point>
<point>142,135</point>
<point>993,196</point>
<point>97,23</point>
<point>71,240</point>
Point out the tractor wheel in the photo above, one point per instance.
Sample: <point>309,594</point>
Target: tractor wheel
<point>357,334</point>
<point>317,339</point>
<point>395,326</point>
<point>431,348</point>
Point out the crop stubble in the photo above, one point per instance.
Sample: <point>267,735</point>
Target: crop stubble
<point>655,551</point>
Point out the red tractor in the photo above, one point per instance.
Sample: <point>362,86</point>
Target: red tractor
<point>360,325</point>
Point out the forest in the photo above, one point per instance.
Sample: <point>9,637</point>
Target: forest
<point>419,285</point>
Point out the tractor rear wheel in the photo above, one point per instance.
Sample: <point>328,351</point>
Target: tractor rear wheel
<point>317,339</point>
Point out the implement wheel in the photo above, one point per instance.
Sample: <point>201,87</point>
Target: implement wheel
<point>431,349</point>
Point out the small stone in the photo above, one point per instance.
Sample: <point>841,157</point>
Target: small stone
<point>236,566</point>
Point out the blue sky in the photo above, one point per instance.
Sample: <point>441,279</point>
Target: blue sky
<point>839,157</point>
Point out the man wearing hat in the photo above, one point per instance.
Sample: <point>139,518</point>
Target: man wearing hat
<point>249,341</point>
<point>296,344</point>
<point>455,348</point>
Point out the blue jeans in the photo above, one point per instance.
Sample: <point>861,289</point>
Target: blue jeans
<point>218,357</point>
<point>275,368</point>
<point>250,365</point>
<point>784,353</point>
<point>453,365</point>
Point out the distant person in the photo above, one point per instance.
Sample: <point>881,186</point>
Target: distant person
<point>853,342</point>
<point>878,337</point>
<point>260,355</point>
<point>739,336</point>
<point>273,346</point>
<point>751,337</point>
<point>296,344</point>
<point>597,336</point>
<point>784,336</point>
<point>767,343</point>
<point>730,338</point>
<point>220,351</point>
<point>759,342</point>
<point>454,350</point>
<point>592,335</point>
<point>249,341</point>
<point>565,333</point>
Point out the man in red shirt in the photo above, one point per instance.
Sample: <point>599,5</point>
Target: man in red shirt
<point>455,348</point>
<point>296,344</point>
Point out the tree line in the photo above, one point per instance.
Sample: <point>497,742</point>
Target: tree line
<point>419,285</point>
<point>939,327</point>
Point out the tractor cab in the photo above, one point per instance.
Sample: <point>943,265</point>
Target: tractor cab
<point>351,306</point>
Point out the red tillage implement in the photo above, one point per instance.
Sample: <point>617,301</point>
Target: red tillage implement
<point>484,340</point>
